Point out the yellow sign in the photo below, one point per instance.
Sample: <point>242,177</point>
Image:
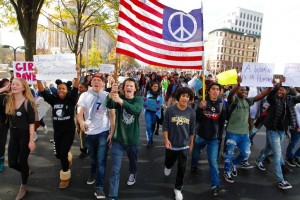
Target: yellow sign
<point>228,77</point>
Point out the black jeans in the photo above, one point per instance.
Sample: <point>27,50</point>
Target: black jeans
<point>18,152</point>
<point>181,156</point>
<point>3,138</point>
<point>62,145</point>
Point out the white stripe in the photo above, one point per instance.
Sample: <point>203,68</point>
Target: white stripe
<point>158,40</point>
<point>153,6</point>
<point>144,12</point>
<point>159,50</point>
<point>140,22</point>
<point>158,60</point>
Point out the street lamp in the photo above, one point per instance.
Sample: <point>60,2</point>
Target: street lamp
<point>80,40</point>
<point>14,49</point>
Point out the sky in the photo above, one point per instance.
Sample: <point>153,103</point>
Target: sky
<point>280,32</point>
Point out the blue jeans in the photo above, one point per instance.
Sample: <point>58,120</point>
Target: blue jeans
<point>242,142</point>
<point>291,151</point>
<point>98,148</point>
<point>212,156</point>
<point>273,144</point>
<point>117,152</point>
<point>150,119</point>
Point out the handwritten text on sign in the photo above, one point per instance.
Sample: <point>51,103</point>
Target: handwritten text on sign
<point>25,70</point>
<point>257,74</point>
<point>55,66</point>
<point>292,74</point>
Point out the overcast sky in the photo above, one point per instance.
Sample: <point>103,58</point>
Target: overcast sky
<point>280,33</point>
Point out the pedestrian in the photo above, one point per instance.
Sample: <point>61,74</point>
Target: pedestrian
<point>210,119</point>
<point>281,115</point>
<point>4,89</point>
<point>98,124</point>
<point>165,83</point>
<point>153,112</point>
<point>21,121</point>
<point>237,130</point>
<point>126,135</point>
<point>178,129</point>
<point>63,111</point>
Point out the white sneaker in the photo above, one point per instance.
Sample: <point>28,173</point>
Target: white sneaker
<point>35,137</point>
<point>167,171</point>
<point>178,195</point>
<point>131,179</point>
<point>45,129</point>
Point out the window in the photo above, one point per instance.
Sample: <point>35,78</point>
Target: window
<point>250,25</point>
<point>241,15</point>
<point>254,18</point>
<point>243,23</point>
<point>240,23</point>
<point>260,20</point>
<point>248,16</point>
<point>221,33</point>
<point>244,16</point>
<point>260,27</point>
<point>247,24</point>
<point>236,22</point>
<point>257,19</point>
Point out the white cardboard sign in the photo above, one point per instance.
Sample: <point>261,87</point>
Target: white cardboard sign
<point>257,74</point>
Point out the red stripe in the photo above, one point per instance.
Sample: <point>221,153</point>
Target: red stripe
<point>128,53</point>
<point>159,45</point>
<point>138,26</point>
<point>158,55</point>
<point>142,17</point>
<point>158,4</point>
<point>148,9</point>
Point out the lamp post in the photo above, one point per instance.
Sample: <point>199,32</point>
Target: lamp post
<point>80,40</point>
<point>14,49</point>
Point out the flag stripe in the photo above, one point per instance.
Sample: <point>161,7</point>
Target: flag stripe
<point>151,62</point>
<point>167,55</point>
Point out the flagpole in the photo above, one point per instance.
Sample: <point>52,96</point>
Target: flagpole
<point>203,62</point>
<point>117,68</point>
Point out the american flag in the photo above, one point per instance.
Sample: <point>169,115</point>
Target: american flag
<point>159,35</point>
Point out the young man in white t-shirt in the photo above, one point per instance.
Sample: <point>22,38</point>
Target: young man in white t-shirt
<point>98,123</point>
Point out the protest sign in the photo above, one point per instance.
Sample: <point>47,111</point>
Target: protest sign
<point>42,107</point>
<point>257,74</point>
<point>292,74</point>
<point>228,77</point>
<point>24,70</point>
<point>55,66</point>
<point>195,83</point>
<point>121,79</point>
<point>152,104</point>
<point>106,68</point>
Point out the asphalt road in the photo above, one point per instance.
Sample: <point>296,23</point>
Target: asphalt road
<point>151,183</point>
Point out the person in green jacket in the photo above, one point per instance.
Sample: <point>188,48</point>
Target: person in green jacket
<point>126,136</point>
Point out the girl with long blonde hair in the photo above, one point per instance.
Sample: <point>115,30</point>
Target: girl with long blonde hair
<point>21,123</point>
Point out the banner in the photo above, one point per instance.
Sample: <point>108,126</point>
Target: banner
<point>228,77</point>
<point>152,104</point>
<point>257,74</point>
<point>159,35</point>
<point>292,74</point>
<point>55,66</point>
<point>24,70</point>
<point>107,68</point>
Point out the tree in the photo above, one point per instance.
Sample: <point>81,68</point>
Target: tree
<point>74,18</point>
<point>95,56</point>
<point>26,14</point>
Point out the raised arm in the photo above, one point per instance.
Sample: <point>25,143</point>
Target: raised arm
<point>234,89</point>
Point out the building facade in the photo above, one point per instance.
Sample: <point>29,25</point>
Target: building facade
<point>226,49</point>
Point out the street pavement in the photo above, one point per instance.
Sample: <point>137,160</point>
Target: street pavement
<point>151,183</point>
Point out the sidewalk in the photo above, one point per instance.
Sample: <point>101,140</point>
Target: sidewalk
<point>151,183</point>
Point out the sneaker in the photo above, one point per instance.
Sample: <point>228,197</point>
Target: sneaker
<point>228,178</point>
<point>245,165</point>
<point>290,162</point>
<point>260,165</point>
<point>297,162</point>
<point>83,155</point>
<point>217,190</point>
<point>45,129</point>
<point>285,170</point>
<point>99,193</point>
<point>51,141</point>
<point>284,185</point>
<point>167,171</point>
<point>178,194</point>
<point>91,179</point>
<point>233,170</point>
<point>131,179</point>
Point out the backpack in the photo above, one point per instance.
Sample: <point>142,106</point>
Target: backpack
<point>233,106</point>
<point>36,116</point>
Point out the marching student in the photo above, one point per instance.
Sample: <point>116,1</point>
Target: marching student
<point>178,129</point>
